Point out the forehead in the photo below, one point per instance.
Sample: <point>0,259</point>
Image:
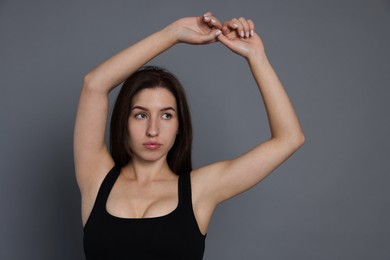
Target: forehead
<point>154,97</point>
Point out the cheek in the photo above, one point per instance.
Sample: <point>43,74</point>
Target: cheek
<point>171,131</point>
<point>134,131</point>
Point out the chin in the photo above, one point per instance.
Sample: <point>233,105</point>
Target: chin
<point>151,157</point>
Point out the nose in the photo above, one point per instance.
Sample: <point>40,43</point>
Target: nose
<point>153,128</point>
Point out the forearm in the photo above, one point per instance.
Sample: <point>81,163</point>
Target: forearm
<point>283,121</point>
<point>116,69</point>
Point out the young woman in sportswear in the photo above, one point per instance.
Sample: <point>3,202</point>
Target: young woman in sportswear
<point>141,199</point>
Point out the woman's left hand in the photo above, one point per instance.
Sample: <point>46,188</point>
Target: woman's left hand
<point>197,30</point>
<point>239,36</point>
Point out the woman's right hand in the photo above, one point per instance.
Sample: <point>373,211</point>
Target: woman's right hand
<point>239,36</point>
<point>196,30</point>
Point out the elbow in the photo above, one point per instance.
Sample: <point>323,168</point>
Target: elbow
<point>301,140</point>
<point>297,141</point>
<point>293,142</point>
<point>88,81</point>
<point>91,83</point>
<point>289,144</point>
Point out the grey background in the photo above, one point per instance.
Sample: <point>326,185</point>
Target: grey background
<point>330,200</point>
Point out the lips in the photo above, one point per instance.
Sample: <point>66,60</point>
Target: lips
<point>151,145</point>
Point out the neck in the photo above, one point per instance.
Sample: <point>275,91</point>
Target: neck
<point>143,171</point>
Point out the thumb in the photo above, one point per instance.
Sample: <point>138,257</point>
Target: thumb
<point>224,40</point>
<point>211,36</point>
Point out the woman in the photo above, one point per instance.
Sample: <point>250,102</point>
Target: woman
<point>143,200</point>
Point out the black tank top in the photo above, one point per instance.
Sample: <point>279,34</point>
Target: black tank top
<point>172,236</point>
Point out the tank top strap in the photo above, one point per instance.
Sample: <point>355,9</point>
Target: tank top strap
<point>185,200</point>
<point>106,187</point>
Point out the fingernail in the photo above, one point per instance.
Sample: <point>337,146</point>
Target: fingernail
<point>242,34</point>
<point>217,32</point>
<point>206,18</point>
<point>213,21</point>
<point>247,34</point>
<point>252,32</point>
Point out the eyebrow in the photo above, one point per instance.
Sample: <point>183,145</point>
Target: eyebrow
<point>145,109</point>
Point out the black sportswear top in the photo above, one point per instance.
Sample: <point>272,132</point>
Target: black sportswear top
<point>172,236</point>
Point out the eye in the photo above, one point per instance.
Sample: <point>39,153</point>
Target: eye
<point>141,116</point>
<point>167,116</point>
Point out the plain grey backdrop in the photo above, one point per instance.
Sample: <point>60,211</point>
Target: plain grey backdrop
<point>330,200</point>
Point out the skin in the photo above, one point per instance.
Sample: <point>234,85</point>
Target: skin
<point>146,187</point>
<point>153,118</point>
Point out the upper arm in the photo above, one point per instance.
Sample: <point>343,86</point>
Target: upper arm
<point>222,180</point>
<point>91,155</point>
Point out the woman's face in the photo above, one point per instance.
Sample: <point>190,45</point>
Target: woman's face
<point>153,124</point>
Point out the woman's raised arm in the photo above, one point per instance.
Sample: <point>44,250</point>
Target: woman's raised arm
<point>91,156</point>
<point>223,180</point>
<point>192,30</point>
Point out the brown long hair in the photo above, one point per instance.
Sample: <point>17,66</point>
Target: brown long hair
<point>179,157</point>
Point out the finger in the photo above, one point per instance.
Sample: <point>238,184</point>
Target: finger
<point>210,37</point>
<point>225,30</point>
<point>245,26</point>
<point>206,17</point>
<point>231,25</point>
<point>228,27</point>
<point>239,27</point>
<point>224,40</point>
<point>208,13</point>
<point>212,21</point>
<point>251,27</point>
<point>215,22</point>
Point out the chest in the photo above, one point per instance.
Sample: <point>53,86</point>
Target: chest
<point>128,199</point>
<point>174,235</point>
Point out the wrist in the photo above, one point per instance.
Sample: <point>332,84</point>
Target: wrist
<point>257,58</point>
<point>170,32</point>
